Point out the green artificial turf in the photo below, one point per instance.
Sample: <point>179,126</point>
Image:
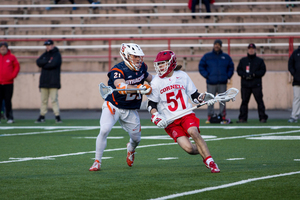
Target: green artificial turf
<point>45,163</point>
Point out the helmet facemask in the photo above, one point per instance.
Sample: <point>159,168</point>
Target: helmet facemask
<point>132,55</point>
<point>165,63</point>
<point>135,61</point>
<point>161,67</point>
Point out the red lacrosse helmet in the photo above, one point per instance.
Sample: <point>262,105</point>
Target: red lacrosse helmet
<point>165,63</point>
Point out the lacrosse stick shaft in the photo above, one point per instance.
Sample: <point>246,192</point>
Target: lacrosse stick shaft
<point>134,89</point>
<point>186,111</point>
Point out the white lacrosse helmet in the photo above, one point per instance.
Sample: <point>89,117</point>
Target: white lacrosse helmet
<point>128,49</point>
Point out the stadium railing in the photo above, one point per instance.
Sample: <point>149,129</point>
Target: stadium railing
<point>289,44</point>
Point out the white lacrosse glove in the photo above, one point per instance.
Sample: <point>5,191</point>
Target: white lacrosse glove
<point>159,120</point>
<point>211,102</point>
<point>208,96</point>
<point>147,89</point>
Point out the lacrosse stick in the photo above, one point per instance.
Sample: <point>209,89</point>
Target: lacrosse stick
<point>230,94</point>
<point>107,90</point>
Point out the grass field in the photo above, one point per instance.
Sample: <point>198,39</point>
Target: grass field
<point>51,161</point>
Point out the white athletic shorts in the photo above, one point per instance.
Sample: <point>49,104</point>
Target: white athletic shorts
<point>128,119</point>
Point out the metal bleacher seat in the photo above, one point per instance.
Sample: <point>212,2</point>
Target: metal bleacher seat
<point>72,29</point>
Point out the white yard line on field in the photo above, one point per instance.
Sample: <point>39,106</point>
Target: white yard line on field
<point>75,154</point>
<point>144,146</point>
<point>119,127</point>
<point>42,132</point>
<point>225,185</point>
<point>235,159</point>
<point>252,135</point>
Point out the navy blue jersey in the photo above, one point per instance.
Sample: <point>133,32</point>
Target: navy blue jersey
<point>121,71</point>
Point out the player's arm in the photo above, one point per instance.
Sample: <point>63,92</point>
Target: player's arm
<point>156,117</point>
<point>121,84</point>
<point>197,97</point>
<point>149,78</point>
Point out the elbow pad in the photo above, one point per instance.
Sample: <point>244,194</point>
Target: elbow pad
<point>197,97</point>
<point>151,105</point>
<point>122,86</point>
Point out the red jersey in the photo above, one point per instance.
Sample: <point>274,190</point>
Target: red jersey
<point>9,68</point>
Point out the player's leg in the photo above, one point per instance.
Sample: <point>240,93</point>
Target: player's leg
<point>191,124</point>
<point>200,143</point>
<point>185,143</point>
<point>107,120</point>
<point>130,122</point>
<point>203,150</point>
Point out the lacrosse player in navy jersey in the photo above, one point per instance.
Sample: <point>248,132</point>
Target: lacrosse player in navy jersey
<point>172,89</point>
<point>122,105</point>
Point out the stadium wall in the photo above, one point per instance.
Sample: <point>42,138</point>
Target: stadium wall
<point>80,90</point>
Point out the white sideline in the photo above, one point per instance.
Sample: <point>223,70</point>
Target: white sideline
<point>43,132</point>
<point>225,185</point>
<point>143,146</point>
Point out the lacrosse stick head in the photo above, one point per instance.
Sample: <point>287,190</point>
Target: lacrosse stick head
<point>105,90</point>
<point>230,94</point>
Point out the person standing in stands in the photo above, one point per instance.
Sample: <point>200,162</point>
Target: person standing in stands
<point>93,3</point>
<point>194,3</point>
<point>9,69</point>
<point>217,67</point>
<point>50,64</point>
<point>56,2</point>
<point>251,69</point>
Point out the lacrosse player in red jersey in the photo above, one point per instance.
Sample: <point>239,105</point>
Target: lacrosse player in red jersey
<point>122,105</point>
<point>171,90</point>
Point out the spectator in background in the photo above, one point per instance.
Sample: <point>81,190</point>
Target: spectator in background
<point>294,68</point>
<point>251,69</point>
<point>194,3</point>
<point>93,2</point>
<point>56,2</point>
<point>217,67</point>
<point>293,5</point>
<point>50,63</point>
<point>9,68</point>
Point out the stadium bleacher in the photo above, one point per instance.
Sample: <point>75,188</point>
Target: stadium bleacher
<point>24,21</point>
